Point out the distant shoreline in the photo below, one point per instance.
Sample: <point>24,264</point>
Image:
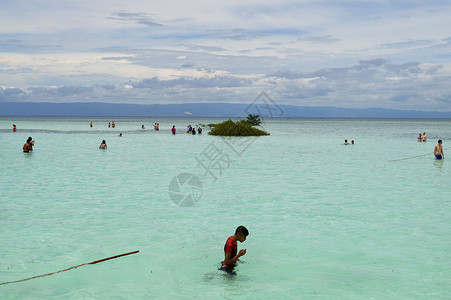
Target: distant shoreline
<point>203,110</point>
<point>116,118</point>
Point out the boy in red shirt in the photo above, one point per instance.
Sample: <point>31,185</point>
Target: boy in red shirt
<point>230,250</point>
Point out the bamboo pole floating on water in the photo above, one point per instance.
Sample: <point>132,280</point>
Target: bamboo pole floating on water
<point>74,267</point>
<point>414,156</point>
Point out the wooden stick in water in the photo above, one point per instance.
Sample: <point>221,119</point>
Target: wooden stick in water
<point>116,256</point>
<point>74,267</point>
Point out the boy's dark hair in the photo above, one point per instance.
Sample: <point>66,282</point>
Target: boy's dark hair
<point>243,230</point>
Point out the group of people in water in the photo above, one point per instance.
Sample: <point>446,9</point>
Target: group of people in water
<point>438,149</point>
<point>28,146</point>
<point>192,130</point>
<point>189,129</point>
<point>156,126</point>
<point>422,138</point>
<point>110,124</point>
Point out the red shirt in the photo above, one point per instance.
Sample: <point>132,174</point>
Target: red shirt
<point>230,246</point>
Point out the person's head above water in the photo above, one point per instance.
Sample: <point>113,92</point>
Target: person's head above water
<point>242,233</point>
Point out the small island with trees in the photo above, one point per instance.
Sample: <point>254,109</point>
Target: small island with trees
<point>239,128</point>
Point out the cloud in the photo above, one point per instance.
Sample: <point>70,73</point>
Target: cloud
<point>9,42</point>
<point>350,54</point>
<point>187,82</point>
<point>410,44</point>
<point>446,99</point>
<point>117,58</point>
<point>203,48</point>
<point>327,39</point>
<point>187,66</point>
<point>134,17</point>
<point>12,94</point>
<point>370,83</point>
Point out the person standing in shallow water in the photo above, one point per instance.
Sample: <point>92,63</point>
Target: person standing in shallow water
<point>230,250</point>
<point>103,145</point>
<point>28,146</point>
<point>173,129</point>
<point>438,150</point>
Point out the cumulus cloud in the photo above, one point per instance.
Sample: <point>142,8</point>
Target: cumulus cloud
<point>302,52</point>
<point>12,94</point>
<point>368,83</point>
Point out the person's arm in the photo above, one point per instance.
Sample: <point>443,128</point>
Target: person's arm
<point>228,260</point>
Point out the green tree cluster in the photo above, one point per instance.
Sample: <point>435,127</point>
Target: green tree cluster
<point>240,128</point>
<point>253,120</point>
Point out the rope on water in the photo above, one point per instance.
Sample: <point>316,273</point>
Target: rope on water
<point>74,267</point>
<point>414,156</point>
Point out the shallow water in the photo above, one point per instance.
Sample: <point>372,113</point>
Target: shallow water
<point>326,221</point>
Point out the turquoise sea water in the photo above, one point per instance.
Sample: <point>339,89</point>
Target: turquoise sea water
<point>326,221</point>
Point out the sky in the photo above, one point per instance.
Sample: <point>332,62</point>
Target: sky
<point>352,54</point>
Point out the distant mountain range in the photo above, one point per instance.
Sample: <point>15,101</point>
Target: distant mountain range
<point>201,110</point>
